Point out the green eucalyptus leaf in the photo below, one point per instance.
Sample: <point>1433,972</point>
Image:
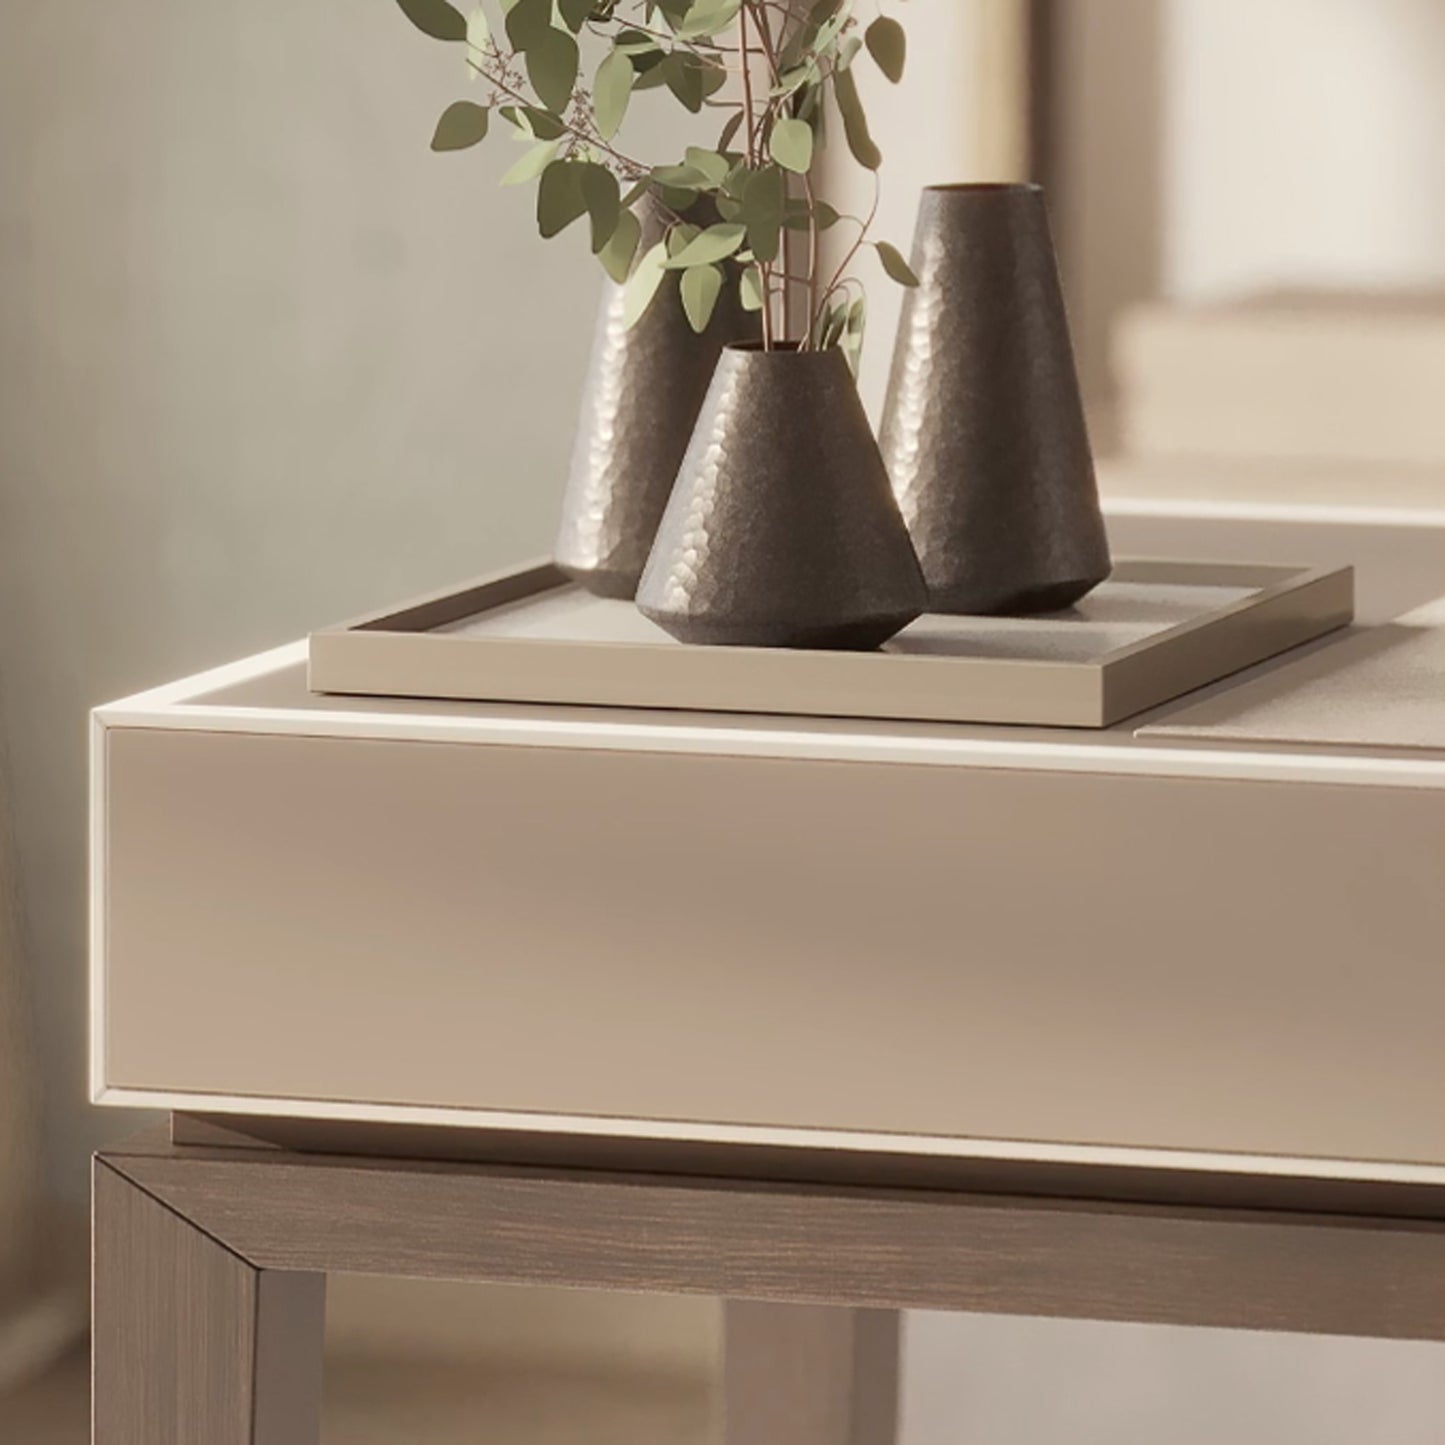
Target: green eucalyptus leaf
<point>435,18</point>
<point>701,287</point>
<point>833,326</point>
<point>680,237</point>
<point>532,120</point>
<point>750,289</point>
<point>574,13</point>
<point>831,29</point>
<point>681,73</point>
<point>730,130</point>
<point>728,208</point>
<point>681,178</point>
<point>792,81</point>
<point>735,183</point>
<point>888,45</point>
<point>855,122</point>
<point>894,264</point>
<point>462,124</point>
<point>620,251</point>
<point>816,114</point>
<point>479,32</point>
<point>707,17</point>
<point>765,237</point>
<point>716,243</point>
<point>560,200</point>
<point>532,164</point>
<point>765,192</point>
<point>611,92</point>
<point>651,70</point>
<point>802,217</point>
<point>552,61</point>
<point>848,49</point>
<point>527,21</point>
<point>791,145</point>
<point>803,36</point>
<point>677,200</point>
<point>635,42</point>
<point>710,165</point>
<point>714,76</point>
<point>603,197</point>
<point>854,332</point>
<point>765,205</point>
<point>643,284</point>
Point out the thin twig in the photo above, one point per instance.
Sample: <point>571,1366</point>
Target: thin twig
<point>857,246</point>
<point>764,270</point>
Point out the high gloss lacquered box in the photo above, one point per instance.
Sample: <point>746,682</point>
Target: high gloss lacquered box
<point>901,939</point>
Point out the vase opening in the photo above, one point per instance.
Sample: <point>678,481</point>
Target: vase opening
<point>791,348</point>
<point>983,188</point>
<point>778,348</point>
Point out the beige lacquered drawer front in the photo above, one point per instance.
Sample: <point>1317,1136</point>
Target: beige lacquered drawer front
<point>945,951</point>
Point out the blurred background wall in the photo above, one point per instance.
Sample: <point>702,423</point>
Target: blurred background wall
<point>1204,148</point>
<point>1302,143</point>
<point>266,362</point>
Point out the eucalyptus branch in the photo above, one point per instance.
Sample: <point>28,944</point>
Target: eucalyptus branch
<point>812,259</point>
<point>762,198</point>
<point>631,169</point>
<point>852,254</point>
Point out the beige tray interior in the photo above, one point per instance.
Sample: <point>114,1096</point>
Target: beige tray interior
<point>1117,615</point>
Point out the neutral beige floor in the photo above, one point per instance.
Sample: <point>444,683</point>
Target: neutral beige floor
<point>421,1402</point>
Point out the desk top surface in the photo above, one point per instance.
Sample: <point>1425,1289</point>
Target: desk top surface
<point>1323,712</point>
<point>1358,706</point>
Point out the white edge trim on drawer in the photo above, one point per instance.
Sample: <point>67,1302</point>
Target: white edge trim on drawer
<point>169,709</point>
<point>917,1145</point>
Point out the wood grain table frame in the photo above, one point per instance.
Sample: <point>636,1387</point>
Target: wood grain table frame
<point>210,1266</point>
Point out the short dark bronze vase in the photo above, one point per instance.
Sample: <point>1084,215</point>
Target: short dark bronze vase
<point>983,431</point>
<point>782,530</point>
<point>640,403</point>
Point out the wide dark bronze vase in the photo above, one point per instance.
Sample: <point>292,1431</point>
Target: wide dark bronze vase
<point>643,390</point>
<point>782,530</point>
<point>983,431</point>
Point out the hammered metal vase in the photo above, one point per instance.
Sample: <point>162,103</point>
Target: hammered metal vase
<point>983,430</point>
<point>639,406</point>
<point>782,530</point>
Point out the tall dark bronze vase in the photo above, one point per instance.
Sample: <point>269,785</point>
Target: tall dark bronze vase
<point>782,530</point>
<point>641,400</point>
<point>983,431</point>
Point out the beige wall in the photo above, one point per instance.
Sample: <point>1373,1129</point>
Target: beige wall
<point>264,361</point>
<point>943,35</point>
<point>1304,140</point>
<point>1207,147</point>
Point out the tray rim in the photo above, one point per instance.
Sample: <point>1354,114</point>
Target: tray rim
<point>1293,603</point>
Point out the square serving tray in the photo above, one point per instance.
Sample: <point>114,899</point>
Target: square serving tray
<point>1154,631</point>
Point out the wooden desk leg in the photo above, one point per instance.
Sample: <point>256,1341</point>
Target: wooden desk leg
<point>809,1375</point>
<point>192,1343</point>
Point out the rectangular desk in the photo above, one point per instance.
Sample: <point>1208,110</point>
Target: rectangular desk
<point>833,1017</point>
